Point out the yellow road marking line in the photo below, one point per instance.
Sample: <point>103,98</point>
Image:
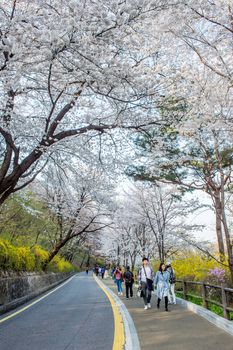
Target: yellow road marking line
<point>34,302</point>
<point>119,334</point>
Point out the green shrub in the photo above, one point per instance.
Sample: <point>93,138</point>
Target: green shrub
<point>3,254</point>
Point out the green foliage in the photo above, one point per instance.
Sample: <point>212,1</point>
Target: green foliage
<point>25,220</point>
<point>195,299</point>
<point>3,253</point>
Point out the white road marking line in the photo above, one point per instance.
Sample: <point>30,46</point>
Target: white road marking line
<point>35,302</point>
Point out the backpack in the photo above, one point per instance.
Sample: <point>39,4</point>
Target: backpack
<point>128,277</point>
<point>172,278</point>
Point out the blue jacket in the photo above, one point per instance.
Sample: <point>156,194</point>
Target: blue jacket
<point>161,281</point>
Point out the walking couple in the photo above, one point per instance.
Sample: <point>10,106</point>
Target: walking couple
<point>161,280</point>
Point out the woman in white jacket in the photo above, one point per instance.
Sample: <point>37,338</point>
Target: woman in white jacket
<point>162,285</point>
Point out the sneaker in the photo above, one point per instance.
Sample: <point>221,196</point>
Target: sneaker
<point>149,305</point>
<point>145,307</point>
<point>121,293</point>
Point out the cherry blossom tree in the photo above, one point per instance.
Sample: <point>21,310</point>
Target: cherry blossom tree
<point>79,215</point>
<point>71,68</point>
<point>196,151</point>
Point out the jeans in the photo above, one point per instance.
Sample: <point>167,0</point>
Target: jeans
<point>129,287</point>
<point>119,286</point>
<point>146,293</point>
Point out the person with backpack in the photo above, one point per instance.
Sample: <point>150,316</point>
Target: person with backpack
<point>145,278</point>
<point>102,272</point>
<point>129,280</point>
<point>162,285</point>
<point>172,281</point>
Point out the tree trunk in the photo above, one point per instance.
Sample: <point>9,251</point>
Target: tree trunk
<point>88,260</point>
<point>218,216</point>
<point>143,241</point>
<point>229,247</point>
<point>226,231</point>
<point>55,251</point>
<point>83,259</point>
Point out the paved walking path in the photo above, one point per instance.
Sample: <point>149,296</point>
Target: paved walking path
<point>179,329</point>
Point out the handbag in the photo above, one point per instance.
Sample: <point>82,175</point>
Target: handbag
<point>149,282</point>
<point>140,292</point>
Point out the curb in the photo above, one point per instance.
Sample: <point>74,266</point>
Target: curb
<point>131,336</point>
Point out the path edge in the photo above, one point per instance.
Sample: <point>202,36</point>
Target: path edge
<point>131,336</point>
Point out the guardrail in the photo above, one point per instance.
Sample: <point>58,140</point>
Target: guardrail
<point>209,293</point>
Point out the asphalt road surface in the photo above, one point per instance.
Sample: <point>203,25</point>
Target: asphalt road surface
<point>77,316</point>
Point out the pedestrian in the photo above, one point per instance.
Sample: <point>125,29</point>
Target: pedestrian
<point>102,272</point>
<point>145,278</point>
<point>106,275</point>
<point>97,270</point>
<point>112,272</point>
<point>87,270</point>
<point>129,280</point>
<point>119,279</point>
<point>172,282</point>
<point>162,284</point>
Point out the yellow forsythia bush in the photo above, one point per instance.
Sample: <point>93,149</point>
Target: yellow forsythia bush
<point>41,256</point>
<point>59,264</point>
<point>26,259</point>
<point>195,267</point>
<point>8,256</point>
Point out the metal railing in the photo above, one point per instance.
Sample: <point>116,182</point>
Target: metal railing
<point>209,293</point>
